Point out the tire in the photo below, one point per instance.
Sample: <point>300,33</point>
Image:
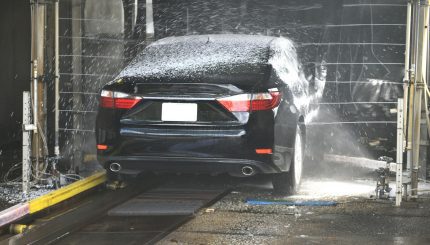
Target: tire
<point>288,182</point>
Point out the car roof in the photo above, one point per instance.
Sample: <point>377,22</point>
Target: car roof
<point>237,39</point>
<point>194,55</point>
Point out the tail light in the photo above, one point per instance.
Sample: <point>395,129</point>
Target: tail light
<point>251,102</point>
<point>263,151</point>
<point>102,147</point>
<point>118,100</point>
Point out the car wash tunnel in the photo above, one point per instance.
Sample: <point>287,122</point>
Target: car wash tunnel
<point>214,122</point>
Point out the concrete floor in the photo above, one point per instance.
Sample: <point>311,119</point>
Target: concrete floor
<point>356,219</point>
<point>355,222</point>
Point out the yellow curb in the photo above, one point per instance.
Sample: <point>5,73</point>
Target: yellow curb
<point>66,192</point>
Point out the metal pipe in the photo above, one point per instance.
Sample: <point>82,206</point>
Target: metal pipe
<point>412,94</point>
<point>407,44</point>
<point>414,103</point>
<point>399,155</point>
<point>35,114</point>
<point>427,110</point>
<point>406,77</point>
<point>411,90</point>
<point>420,60</point>
<point>187,32</point>
<point>35,97</point>
<point>35,73</point>
<point>135,9</point>
<point>247,171</point>
<point>57,78</point>
<point>424,80</point>
<point>35,53</point>
<point>115,167</point>
<point>26,142</point>
<point>77,83</point>
<point>149,22</point>
<point>416,108</point>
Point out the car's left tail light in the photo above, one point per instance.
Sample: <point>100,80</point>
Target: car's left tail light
<point>118,100</point>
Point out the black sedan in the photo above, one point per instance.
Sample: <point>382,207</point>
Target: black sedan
<point>207,104</point>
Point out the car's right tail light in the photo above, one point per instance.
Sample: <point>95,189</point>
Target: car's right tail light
<point>251,102</point>
<point>118,100</point>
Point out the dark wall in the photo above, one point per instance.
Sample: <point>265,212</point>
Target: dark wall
<point>15,51</point>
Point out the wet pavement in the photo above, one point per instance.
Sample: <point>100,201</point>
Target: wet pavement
<point>4,205</point>
<point>354,221</point>
<point>356,218</point>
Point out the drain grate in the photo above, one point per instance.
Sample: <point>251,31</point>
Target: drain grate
<point>167,201</point>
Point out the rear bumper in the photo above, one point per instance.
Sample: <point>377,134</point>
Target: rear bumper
<point>136,164</point>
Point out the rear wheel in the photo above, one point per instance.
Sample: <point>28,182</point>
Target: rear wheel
<point>288,182</point>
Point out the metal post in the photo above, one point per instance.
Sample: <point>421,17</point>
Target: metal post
<point>417,84</point>
<point>416,109</point>
<point>78,80</point>
<point>188,23</point>
<point>409,88</point>
<point>416,140</point>
<point>35,102</point>
<point>412,95</point>
<point>399,156</point>
<point>422,72</point>
<point>130,10</point>
<point>34,57</point>
<point>149,22</point>
<point>38,87</point>
<point>35,114</point>
<point>26,142</point>
<point>406,78</point>
<point>57,79</point>
<point>135,8</point>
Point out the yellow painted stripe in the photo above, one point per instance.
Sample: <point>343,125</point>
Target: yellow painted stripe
<point>66,192</point>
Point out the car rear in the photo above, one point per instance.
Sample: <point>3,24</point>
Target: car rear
<point>200,104</point>
<point>183,127</point>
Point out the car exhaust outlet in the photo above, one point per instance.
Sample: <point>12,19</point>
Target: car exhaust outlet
<point>115,167</point>
<point>247,171</point>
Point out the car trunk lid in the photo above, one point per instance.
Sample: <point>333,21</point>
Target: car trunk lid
<point>183,104</point>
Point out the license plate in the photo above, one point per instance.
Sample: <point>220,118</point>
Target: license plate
<point>179,112</point>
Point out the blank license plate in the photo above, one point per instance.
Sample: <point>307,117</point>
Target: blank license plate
<point>179,112</point>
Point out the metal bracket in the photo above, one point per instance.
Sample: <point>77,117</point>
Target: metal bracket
<point>392,166</point>
<point>406,177</point>
<point>29,127</point>
<point>26,142</point>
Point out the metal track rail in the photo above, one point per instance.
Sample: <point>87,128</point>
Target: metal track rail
<point>47,229</point>
<point>142,213</point>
